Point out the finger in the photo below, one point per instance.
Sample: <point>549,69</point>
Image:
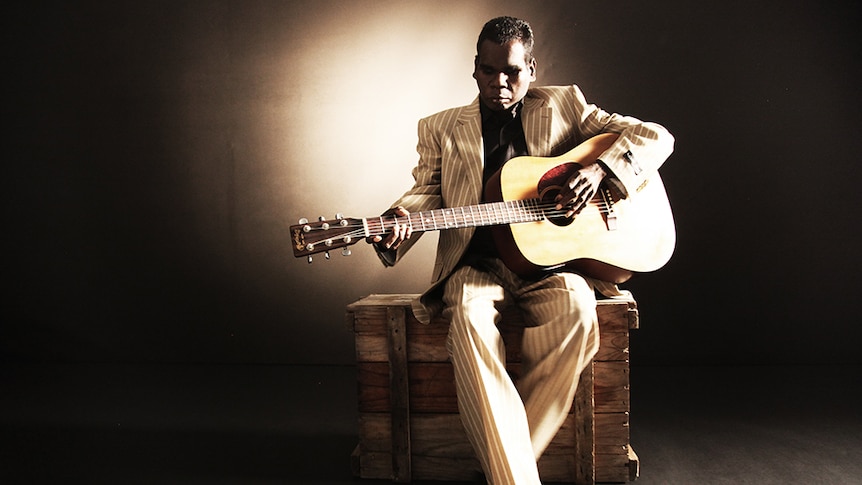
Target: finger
<point>577,203</point>
<point>394,236</point>
<point>564,199</point>
<point>391,241</point>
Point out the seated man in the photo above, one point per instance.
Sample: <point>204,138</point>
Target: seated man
<point>511,423</point>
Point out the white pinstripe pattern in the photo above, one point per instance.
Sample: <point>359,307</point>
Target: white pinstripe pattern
<point>510,427</point>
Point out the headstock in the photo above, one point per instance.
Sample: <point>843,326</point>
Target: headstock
<point>320,237</point>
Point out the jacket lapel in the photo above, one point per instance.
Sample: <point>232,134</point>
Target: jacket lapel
<point>468,140</point>
<point>536,118</point>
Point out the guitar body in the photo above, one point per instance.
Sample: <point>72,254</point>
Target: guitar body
<point>637,235</point>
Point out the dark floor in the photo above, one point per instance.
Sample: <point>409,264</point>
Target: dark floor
<point>127,424</point>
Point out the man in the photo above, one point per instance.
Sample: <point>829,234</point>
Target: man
<point>510,424</point>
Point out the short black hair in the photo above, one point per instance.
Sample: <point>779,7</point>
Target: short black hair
<point>503,30</point>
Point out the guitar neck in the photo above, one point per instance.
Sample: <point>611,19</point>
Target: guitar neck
<point>490,214</point>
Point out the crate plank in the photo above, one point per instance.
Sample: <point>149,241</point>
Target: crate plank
<point>611,387</point>
<point>443,435</point>
<point>427,343</point>
<point>432,387</point>
<point>552,468</point>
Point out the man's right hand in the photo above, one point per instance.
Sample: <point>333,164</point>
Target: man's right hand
<point>399,234</point>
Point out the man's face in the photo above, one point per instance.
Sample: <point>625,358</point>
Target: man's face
<point>503,74</point>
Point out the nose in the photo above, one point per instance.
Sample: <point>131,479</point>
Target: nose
<point>500,80</point>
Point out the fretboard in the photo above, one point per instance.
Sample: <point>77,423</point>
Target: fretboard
<point>491,214</point>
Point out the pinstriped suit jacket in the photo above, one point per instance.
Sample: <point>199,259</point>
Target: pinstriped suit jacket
<point>555,120</point>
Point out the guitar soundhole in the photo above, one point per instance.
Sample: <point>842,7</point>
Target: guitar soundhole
<point>550,185</point>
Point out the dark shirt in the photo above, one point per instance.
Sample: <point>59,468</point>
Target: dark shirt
<point>503,139</point>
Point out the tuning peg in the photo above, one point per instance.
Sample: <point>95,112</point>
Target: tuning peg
<point>339,216</point>
<point>326,255</point>
<point>310,259</point>
<point>305,226</point>
<point>345,252</point>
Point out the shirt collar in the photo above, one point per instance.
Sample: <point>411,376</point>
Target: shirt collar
<point>502,116</point>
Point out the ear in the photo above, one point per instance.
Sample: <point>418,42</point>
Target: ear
<point>475,65</point>
<point>533,69</point>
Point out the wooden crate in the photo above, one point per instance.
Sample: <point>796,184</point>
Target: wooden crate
<point>409,428</point>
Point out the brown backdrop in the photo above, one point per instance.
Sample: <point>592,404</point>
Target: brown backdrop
<point>156,153</point>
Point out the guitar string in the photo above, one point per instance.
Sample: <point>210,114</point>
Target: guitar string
<point>528,211</point>
<point>527,214</point>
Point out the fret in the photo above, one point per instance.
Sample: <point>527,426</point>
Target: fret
<point>529,215</point>
<point>519,209</point>
<point>454,220</point>
<point>538,214</point>
<point>510,212</point>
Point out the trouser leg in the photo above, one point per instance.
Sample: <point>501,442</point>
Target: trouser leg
<point>555,351</point>
<point>491,408</point>
<point>510,427</point>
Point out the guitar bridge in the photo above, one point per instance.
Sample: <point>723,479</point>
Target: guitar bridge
<point>607,208</point>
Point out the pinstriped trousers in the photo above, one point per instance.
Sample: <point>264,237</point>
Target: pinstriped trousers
<point>511,423</point>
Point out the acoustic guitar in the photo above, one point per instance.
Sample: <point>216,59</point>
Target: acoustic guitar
<point>610,239</point>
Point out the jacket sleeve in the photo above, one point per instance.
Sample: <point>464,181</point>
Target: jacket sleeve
<point>425,193</point>
<point>640,150</point>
